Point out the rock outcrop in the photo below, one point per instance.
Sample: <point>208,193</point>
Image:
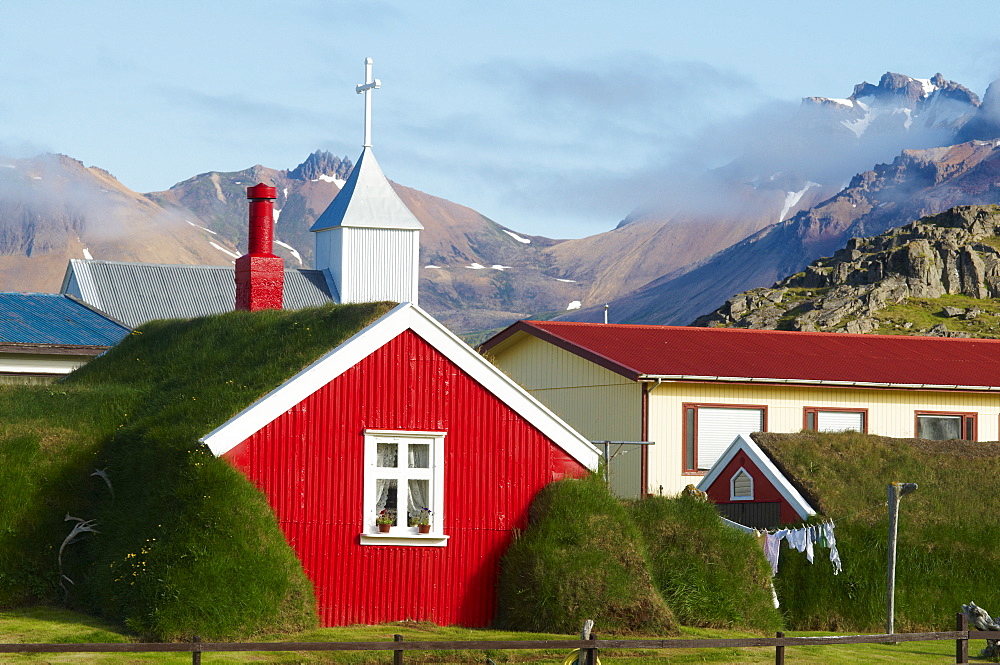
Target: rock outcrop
<point>956,252</point>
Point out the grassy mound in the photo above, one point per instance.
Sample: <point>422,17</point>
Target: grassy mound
<point>709,574</point>
<point>186,544</point>
<point>948,544</point>
<point>632,567</point>
<point>581,558</point>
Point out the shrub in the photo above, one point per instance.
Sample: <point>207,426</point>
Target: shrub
<point>580,558</point>
<point>709,574</point>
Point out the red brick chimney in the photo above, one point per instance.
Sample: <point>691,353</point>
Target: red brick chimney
<point>260,275</point>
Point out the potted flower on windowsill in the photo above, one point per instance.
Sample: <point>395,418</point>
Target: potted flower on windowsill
<point>424,520</point>
<point>384,520</point>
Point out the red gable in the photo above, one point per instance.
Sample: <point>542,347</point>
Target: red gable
<point>635,351</point>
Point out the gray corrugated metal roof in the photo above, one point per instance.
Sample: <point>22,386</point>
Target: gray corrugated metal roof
<point>53,318</point>
<point>140,292</point>
<point>367,201</point>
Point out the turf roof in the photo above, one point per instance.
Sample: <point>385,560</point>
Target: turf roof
<point>948,543</point>
<point>186,544</point>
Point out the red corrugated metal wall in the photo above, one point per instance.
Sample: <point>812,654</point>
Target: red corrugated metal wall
<point>763,490</point>
<point>309,463</point>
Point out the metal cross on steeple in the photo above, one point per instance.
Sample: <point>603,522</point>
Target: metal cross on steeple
<point>366,89</point>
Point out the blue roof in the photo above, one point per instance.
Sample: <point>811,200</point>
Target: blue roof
<point>53,318</point>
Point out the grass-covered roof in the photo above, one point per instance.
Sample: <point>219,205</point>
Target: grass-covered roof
<point>185,544</point>
<point>949,529</point>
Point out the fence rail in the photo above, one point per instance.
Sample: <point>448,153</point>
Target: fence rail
<point>588,648</point>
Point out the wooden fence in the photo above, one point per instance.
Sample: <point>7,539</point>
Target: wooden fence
<point>588,648</point>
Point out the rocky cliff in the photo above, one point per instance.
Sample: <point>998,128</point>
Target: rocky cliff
<point>896,282</point>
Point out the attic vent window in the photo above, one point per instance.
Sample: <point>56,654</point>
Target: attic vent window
<point>741,486</point>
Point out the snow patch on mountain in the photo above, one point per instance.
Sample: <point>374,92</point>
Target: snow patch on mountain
<point>294,252</point>
<point>224,250</point>
<point>526,241</point>
<point>201,227</point>
<point>576,304</point>
<point>329,178</point>
<point>87,255</point>
<point>476,266</point>
<point>792,198</point>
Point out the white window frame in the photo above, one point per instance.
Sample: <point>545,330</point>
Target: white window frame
<point>402,534</point>
<point>732,486</point>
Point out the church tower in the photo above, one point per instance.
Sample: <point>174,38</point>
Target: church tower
<point>367,239</point>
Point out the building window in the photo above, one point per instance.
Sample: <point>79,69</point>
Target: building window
<point>710,428</point>
<point>741,486</point>
<point>942,426</point>
<point>404,479</point>
<point>835,420</point>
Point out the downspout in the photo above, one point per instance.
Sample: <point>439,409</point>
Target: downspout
<point>644,464</point>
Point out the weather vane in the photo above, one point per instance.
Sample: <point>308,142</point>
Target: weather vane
<point>366,89</point>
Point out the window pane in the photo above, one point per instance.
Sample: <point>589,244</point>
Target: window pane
<point>717,427</point>
<point>811,420</point>
<point>419,498</point>
<point>388,455</point>
<point>940,428</point>
<point>419,455</point>
<point>841,421</point>
<point>386,497</point>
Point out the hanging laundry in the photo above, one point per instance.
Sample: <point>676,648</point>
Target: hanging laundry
<point>831,540</point>
<point>772,549</point>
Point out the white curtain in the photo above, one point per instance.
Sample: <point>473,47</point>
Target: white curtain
<point>418,455</point>
<point>417,499</point>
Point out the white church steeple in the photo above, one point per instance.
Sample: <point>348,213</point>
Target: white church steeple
<point>367,238</point>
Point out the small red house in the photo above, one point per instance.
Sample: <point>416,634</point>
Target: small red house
<point>749,489</point>
<point>401,417</point>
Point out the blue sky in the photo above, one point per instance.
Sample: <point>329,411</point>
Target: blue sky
<point>554,118</point>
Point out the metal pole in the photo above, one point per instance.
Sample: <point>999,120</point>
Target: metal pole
<point>895,492</point>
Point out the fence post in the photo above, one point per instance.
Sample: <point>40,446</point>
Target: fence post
<point>397,654</point>
<point>779,650</point>
<point>591,657</point>
<point>962,644</point>
<point>196,651</point>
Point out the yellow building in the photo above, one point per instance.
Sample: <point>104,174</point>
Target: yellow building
<point>689,391</point>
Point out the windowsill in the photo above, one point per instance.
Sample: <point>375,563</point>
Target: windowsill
<point>741,498</point>
<point>405,539</point>
<point>693,473</point>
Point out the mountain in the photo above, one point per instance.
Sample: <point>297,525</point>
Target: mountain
<point>53,208</point>
<point>917,183</point>
<point>787,164</point>
<point>478,274</point>
<point>938,275</point>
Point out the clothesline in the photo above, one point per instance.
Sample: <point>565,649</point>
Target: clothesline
<point>803,539</point>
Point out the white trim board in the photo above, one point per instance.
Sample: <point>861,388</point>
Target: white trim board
<point>744,443</point>
<point>405,316</point>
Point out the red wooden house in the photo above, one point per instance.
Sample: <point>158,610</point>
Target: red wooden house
<point>748,488</point>
<point>401,417</point>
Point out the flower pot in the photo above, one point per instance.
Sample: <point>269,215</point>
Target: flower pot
<point>423,528</point>
<point>384,528</point>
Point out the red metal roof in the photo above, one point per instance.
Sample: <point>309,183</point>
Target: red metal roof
<point>637,350</point>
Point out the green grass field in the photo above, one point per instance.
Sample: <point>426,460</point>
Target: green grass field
<point>42,624</point>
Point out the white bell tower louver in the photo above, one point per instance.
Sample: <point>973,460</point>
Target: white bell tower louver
<point>367,238</point>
